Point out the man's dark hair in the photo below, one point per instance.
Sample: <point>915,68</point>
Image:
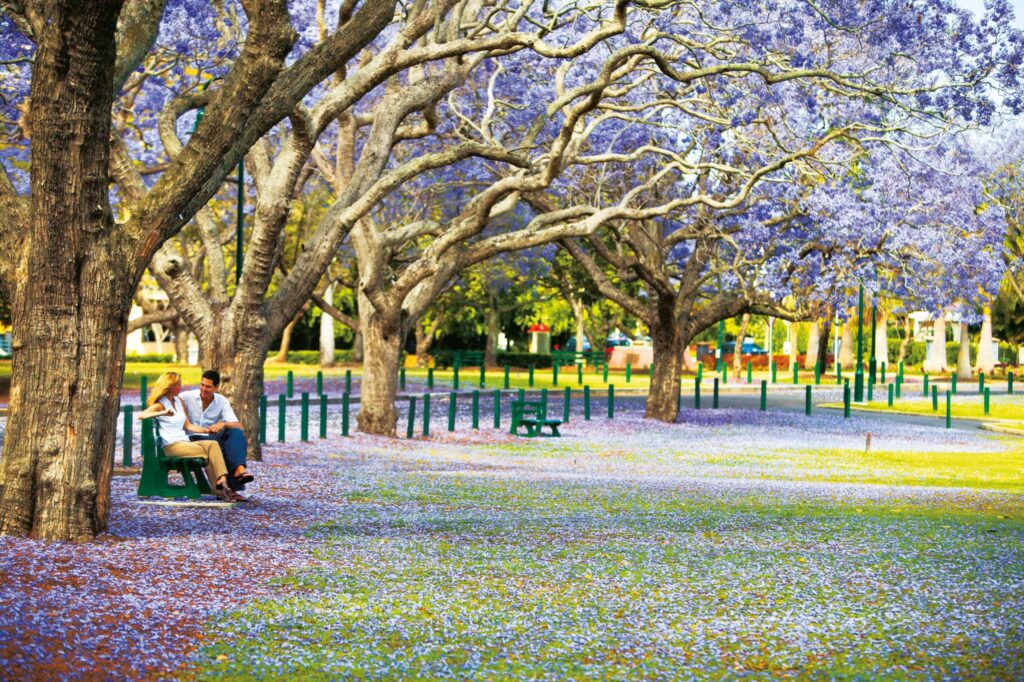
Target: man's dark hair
<point>213,375</point>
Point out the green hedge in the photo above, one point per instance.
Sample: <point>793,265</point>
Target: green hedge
<point>312,357</point>
<point>165,358</point>
<point>915,351</point>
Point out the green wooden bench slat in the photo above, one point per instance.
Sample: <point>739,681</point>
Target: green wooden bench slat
<point>530,414</point>
<point>156,466</point>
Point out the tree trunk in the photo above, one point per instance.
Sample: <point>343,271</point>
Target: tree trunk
<point>963,358</point>
<point>936,362</point>
<point>181,333</point>
<point>669,344</point>
<point>357,347</point>
<point>794,352</point>
<point>424,340</point>
<point>905,341</point>
<point>327,332</point>
<point>813,345</point>
<point>737,357</point>
<point>286,338</point>
<point>70,309</point>
<point>846,354</point>
<point>882,339</point>
<point>986,363</point>
<point>493,330</point>
<point>381,350</point>
<point>823,340</point>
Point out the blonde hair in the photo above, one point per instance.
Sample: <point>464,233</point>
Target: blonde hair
<point>165,383</point>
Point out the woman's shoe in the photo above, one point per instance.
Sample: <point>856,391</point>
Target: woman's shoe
<point>224,493</point>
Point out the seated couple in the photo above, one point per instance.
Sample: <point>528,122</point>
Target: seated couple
<point>201,423</point>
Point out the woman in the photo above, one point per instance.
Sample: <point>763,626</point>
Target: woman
<point>166,406</point>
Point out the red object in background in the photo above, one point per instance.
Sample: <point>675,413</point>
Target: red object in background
<point>539,327</point>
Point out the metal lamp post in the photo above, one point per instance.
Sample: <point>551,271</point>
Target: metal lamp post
<point>721,341</point>
<point>858,382</point>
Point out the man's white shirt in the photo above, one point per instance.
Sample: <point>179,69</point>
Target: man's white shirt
<point>218,411</point>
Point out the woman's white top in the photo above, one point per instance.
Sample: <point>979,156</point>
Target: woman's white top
<point>172,426</point>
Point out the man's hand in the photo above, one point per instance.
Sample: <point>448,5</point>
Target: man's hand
<point>216,428</point>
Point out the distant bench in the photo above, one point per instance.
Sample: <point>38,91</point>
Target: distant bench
<point>530,414</point>
<point>459,358</point>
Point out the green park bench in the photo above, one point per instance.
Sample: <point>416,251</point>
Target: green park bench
<point>530,414</point>
<point>156,466</point>
<point>592,358</point>
<point>459,358</point>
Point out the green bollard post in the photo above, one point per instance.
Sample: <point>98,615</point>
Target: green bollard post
<point>605,375</point>
<point>143,390</point>
<point>764,395</point>
<point>430,378</point>
<point>554,373</point>
<point>452,397</point>
<point>345,401</point>
<point>506,378</point>
<point>531,376</point>
<point>291,384</point>
<point>497,408</point>
<point>319,382</point>
<point>952,382</point>
<point>629,372</point>
<point>725,373</point>
<point>883,373</point>
<point>281,407</point>
<point>924,391</point>
<point>949,412</point>
<point>775,371</point>
<point>817,374</point>
<point>981,382</point>
<point>846,401</point>
<point>839,374</point>
<point>871,390</point>
<point>426,415</point>
<point>348,381</point>
<point>263,419</point>
<point>891,387</point>
<point>1009,383</point>
<point>700,371</point>
<point>935,398</point>
<point>544,402</point>
<point>750,371</point>
<point>483,375</point>
<point>401,379</point>
<point>611,401</point>
<point>455,376</point>
<point>579,374</point>
<point>566,403</point>
<point>412,417</point>
<point>987,395</point>
<point>476,409</point>
<point>796,369</point>
<point>323,415</point>
<point>304,424</point>
<point>696,394</point>
<point>126,438</point>
<point>901,369</point>
<point>586,403</point>
<point>899,387</point>
<point>714,395</point>
<point>807,400</point>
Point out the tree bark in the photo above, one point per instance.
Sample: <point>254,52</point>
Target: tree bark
<point>963,358</point>
<point>181,333</point>
<point>286,338</point>
<point>846,354</point>
<point>936,361</point>
<point>357,346</point>
<point>381,350</point>
<point>737,358</point>
<point>986,363</point>
<point>327,333</point>
<point>882,339</point>
<point>493,330</point>
<point>70,308</point>
<point>669,344</point>
<point>794,352</point>
<point>823,340</point>
<point>813,344</point>
<point>905,341</point>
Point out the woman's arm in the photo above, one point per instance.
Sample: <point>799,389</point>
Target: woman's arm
<point>154,410</point>
<point>189,426</point>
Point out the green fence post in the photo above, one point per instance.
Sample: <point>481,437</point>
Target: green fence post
<point>348,381</point>
<point>345,398</point>
<point>506,378</point>
<point>579,374</point>
<point>700,371</point>
<point>281,407</point>
<point>986,400</point>
<point>554,372</point>
<point>725,373</point>
<point>605,375</point>
<point>426,415</point>
<point>531,377</point>
<point>952,381</point>
<point>775,369</point>
<point>629,372</point>
<point>750,371</point>
<point>263,419</point>
<point>319,382</point>
<point>143,390</point>
<point>696,394</point>
<point>796,369</point>
<point>764,395</point>
<point>611,401</point>
<point>935,398</point>
<point>871,390</point>
<point>476,409</point>
<point>891,387</point>
<point>455,376</point>
<point>323,415</point>
<point>586,403</point>
<point>899,387</point>
<point>412,417</point>
<point>1009,383</point>
<point>452,397</point>
<point>304,424</point>
<point>949,414</point>
<point>846,401</point>
<point>544,402</point>
<point>901,369</point>
<point>714,395</point>
<point>565,404</point>
<point>883,372</point>
<point>291,383</point>
<point>483,375</point>
<point>401,379</point>
<point>521,395</point>
<point>807,400</point>
<point>981,382</point>
<point>430,378</point>
<point>924,391</point>
<point>817,374</point>
<point>497,408</point>
<point>126,438</point>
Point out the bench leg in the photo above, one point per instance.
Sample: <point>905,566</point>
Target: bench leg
<point>191,487</point>
<point>554,432</point>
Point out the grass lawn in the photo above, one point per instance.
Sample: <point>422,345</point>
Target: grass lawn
<point>967,405</point>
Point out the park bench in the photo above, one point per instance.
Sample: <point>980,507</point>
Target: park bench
<point>156,466</point>
<point>590,358</point>
<point>459,358</point>
<point>530,414</point>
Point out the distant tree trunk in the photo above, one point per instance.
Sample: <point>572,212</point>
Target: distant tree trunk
<point>181,333</point>
<point>881,339</point>
<point>985,362</point>
<point>905,341</point>
<point>823,340</point>
<point>286,337</point>
<point>936,361</point>
<point>425,339</point>
<point>357,347</point>
<point>493,330</point>
<point>737,358</point>
<point>70,310</point>
<point>794,352</point>
<point>963,358</point>
<point>669,344</point>
<point>813,345</point>
<point>327,332</point>
<point>382,346</point>
<point>846,355</point>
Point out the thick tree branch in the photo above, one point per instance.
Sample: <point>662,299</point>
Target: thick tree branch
<point>158,317</point>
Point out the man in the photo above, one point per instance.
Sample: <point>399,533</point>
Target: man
<point>210,409</point>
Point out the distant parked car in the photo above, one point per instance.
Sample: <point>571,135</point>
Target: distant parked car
<point>748,348</point>
<point>642,341</point>
<point>571,345</point>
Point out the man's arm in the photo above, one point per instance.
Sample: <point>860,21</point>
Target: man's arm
<point>228,419</point>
